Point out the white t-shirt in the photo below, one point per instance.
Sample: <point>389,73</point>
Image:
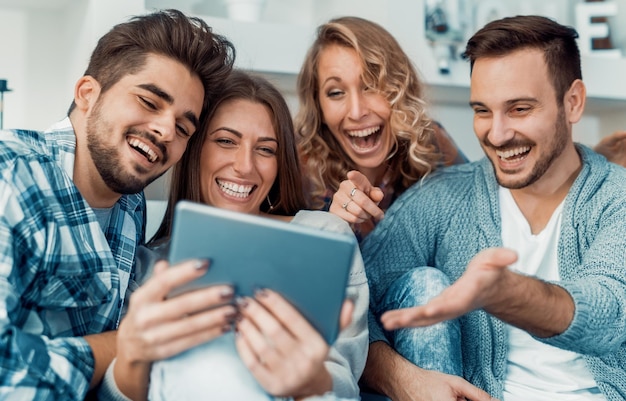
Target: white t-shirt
<point>537,371</point>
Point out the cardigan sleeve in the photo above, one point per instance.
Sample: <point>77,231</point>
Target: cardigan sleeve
<point>596,277</point>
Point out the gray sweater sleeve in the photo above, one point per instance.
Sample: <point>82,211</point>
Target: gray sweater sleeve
<point>108,390</point>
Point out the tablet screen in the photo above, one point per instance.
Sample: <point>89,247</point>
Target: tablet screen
<point>308,266</point>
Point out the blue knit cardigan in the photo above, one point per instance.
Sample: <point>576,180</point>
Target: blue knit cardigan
<point>450,216</point>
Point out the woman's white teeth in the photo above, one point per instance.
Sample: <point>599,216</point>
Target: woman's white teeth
<point>512,152</point>
<point>144,149</point>
<point>364,132</point>
<point>365,139</point>
<point>232,189</point>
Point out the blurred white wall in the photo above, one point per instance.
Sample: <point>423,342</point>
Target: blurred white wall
<point>45,45</point>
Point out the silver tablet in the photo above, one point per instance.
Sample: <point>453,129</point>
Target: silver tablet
<point>309,267</point>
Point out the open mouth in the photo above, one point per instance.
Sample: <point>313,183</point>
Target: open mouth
<point>365,139</point>
<point>235,190</point>
<point>513,155</point>
<point>144,149</point>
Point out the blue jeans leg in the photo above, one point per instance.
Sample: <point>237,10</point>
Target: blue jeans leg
<point>436,347</point>
<point>211,371</point>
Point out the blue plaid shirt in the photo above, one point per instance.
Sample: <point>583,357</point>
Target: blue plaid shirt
<point>61,275</point>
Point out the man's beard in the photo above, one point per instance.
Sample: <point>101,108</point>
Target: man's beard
<point>554,149</point>
<point>108,161</point>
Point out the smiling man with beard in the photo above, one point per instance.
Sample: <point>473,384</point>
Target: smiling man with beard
<point>532,238</point>
<point>72,210</point>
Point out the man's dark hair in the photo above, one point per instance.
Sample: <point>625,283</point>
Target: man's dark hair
<point>170,33</point>
<point>507,35</point>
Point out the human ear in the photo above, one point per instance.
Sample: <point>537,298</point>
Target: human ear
<point>574,101</point>
<point>86,92</point>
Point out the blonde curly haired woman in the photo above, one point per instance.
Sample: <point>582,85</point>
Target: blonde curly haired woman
<point>362,110</point>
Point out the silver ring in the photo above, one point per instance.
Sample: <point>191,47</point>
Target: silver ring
<point>345,205</point>
<point>352,192</point>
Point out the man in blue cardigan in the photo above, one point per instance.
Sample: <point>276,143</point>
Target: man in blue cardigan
<point>533,238</point>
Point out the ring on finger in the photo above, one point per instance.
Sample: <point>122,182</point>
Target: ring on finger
<point>352,192</point>
<point>345,204</point>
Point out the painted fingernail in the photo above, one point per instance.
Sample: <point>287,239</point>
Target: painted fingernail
<point>241,302</point>
<point>201,264</point>
<point>230,315</point>
<point>226,293</point>
<point>227,328</point>
<point>261,292</point>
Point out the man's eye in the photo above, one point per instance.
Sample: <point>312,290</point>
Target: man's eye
<point>147,103</point>
<point>182,130</point>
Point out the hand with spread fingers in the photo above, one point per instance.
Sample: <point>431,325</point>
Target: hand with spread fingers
<point>490,285</point>
<point>613,147</point>
<point>157,327</point>
<point>357,199</point>
<point>479,287</point>
<point>280,348</point>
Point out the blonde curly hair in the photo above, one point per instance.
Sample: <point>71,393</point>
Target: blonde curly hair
<point>387,69</point>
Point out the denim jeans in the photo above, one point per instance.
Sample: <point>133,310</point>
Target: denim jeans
<point>211,371</point>
<point>436,347</point>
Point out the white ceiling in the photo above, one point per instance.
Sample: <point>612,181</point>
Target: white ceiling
<point>210,7</point>
<point>34,4</point>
